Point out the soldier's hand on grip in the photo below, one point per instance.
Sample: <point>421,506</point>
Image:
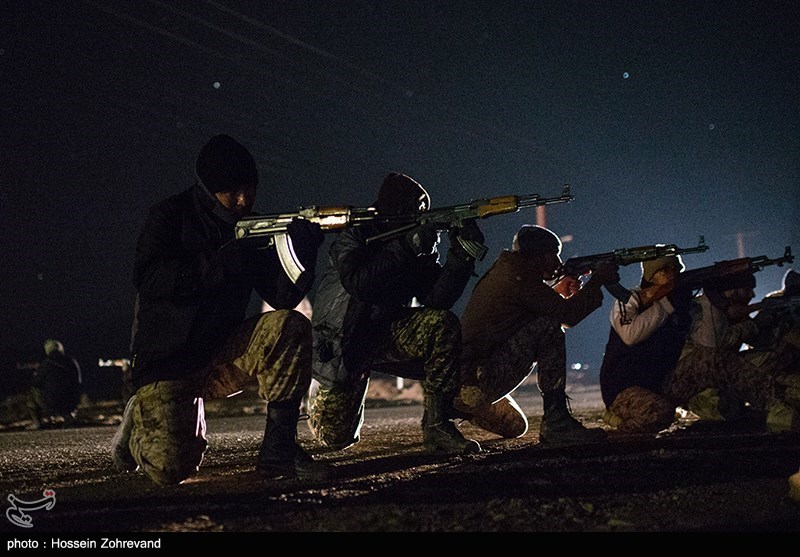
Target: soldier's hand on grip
<point>469,232</point>
<point>605,273</point>
<point>306,237</point>
<point>422,239</point>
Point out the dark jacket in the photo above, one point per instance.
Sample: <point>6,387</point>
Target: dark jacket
<point>364,288</point>
<point>510,296</point>
<point>194,284</point>
<point>59,379</point>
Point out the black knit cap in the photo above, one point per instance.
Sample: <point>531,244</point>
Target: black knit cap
<point>532,239</point>
<point>401,194</point>
<point>224,163</point>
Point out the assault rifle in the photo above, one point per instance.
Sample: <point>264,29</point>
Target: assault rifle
<point>788,304</point>
<point>446,218</point>
<point>697,278</point>
<point>580,266</point>
<point>267,230</point>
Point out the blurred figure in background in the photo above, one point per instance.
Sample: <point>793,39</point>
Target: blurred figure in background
<point>56,388</point>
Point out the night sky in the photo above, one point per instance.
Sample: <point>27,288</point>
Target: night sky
<point>670,120</point>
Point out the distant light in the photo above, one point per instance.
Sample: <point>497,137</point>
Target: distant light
<point>711,126</point>
<point>216,85</point>
<point>625,75</point>
<point>40,276</point>
<point>566,238</point>
<point>576,366</point>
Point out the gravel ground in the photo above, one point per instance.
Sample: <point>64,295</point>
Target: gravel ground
<point>694,478</point>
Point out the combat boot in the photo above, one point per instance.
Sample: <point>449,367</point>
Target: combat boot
<point>504,418</point>
<point>280,456</point>
<point>120,450</point>
<point>440,434</point>
<point>559,427</point>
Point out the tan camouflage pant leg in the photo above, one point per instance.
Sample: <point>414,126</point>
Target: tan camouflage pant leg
<point>701,368</point>
<point>425,343</point>
<point>640,410</point>
<point>430,337</point>
<point>168,435</point>
<point>787,353</point>
<point>336,413</point>
<point>541,344</point>
<point>275,348</point>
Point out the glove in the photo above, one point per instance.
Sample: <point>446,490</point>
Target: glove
<point>306,237</point>
<point>468,231</point>
<point>422,239</point>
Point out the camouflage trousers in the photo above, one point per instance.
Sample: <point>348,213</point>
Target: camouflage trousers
<point>700,368</point>
<point>782,357</point>
<point>425,344</point>
<point>168,438</point>
<point>540,345</point>
<point>729,378</point>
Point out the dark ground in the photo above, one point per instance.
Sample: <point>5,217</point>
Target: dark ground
<point>693,478</point>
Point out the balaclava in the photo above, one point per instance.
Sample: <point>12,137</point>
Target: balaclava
<point>401,194</point>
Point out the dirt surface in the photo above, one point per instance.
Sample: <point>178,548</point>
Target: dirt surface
<point>693,478</point>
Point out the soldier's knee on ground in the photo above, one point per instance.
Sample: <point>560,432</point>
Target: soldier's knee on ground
<point>168,473</point>
<point>504,418</point>
<point>336,415</point>
<point>168,434</point>
<point>640,410</point>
